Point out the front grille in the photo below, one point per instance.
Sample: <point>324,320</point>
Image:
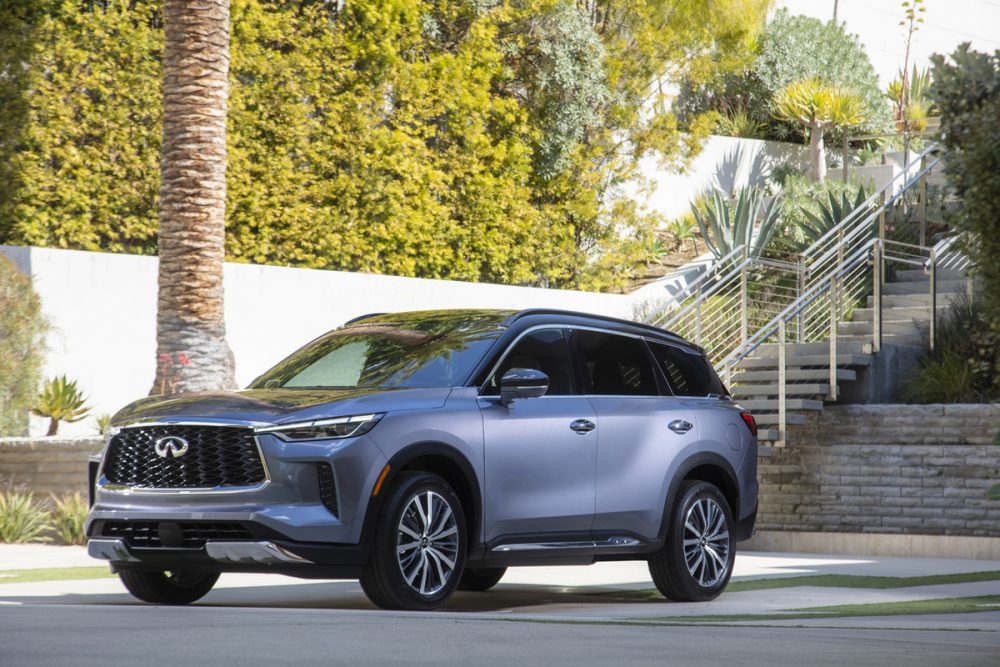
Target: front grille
<point>216,456</point>
<point>327,487</point>
<point>193,535</point>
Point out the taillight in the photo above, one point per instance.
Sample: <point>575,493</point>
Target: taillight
<point>750,422</point>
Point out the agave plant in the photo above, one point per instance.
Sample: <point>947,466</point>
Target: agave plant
<point>744,220</point>
<point>681,230</point>
<point>61,400</point>
<point>830,214</point>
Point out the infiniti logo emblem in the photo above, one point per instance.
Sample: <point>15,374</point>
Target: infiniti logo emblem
<point>171,446</point>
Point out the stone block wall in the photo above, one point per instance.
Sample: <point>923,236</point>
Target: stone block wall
<point>46,465</point>
<point>896,469</point>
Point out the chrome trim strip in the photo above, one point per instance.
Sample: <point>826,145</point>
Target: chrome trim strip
<point>194,422</point>
<point>587,544</point>
<point>113,549</point>
<point>252,553</point>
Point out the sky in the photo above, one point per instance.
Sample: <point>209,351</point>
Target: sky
<point>947,23</point>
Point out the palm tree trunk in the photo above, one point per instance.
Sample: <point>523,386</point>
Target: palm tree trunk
<point>817,154</point>
<point>192,352</point>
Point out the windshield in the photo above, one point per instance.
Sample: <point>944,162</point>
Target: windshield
<point>409,350</point>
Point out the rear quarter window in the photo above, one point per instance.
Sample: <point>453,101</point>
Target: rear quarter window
<point>687,373</point>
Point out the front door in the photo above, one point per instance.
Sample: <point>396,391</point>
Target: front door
<point>540,453</point>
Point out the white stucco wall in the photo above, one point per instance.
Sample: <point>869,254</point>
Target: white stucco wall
<point>102,310</point>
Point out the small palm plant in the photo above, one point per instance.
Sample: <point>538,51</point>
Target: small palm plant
<point>733,221</point>
<point>829,215</point>
<point>681,230</point>
<point>819,106</point>
<point>61,400</point>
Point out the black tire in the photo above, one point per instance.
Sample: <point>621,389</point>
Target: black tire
<point>481,578</point>
<point>168,587</point>
<point>383,578</point>
<point>708,574</point>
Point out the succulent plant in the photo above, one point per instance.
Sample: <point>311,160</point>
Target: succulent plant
<point>61,400</point>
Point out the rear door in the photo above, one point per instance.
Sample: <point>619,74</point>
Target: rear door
<point>636,445</point>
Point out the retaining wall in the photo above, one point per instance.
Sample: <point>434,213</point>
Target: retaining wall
<point>47,464</point>
<point>883,469</point>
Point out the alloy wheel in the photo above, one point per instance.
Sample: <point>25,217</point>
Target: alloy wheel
<point>427,543</point>
<point>706,542</point>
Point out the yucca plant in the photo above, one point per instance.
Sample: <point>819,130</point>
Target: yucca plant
<point>68,515</point>
<point>102,422</point>
<point>746,220</point>
<point>739,123</point>
<point>819,106</point>
<point>61,400</point>
<point>22,519</point>
<point>831,214</point>
<point>681,230</point>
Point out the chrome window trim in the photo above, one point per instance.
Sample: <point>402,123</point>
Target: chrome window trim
<point>102,483</point>
<point>578,327</point>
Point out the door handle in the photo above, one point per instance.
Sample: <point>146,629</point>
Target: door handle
<point>583,426</point>
<point>680,426</point>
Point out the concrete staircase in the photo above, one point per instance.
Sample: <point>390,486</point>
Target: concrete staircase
<point>905,327</point>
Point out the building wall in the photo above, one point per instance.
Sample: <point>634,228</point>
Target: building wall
<point>891,469</point>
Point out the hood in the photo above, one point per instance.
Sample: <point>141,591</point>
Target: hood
<point>279,406</point>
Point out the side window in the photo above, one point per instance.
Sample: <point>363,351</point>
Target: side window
<point>688,373</point>
<point>546,350</point>
<point>615,365</point>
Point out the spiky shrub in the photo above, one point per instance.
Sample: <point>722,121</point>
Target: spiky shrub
<point>22,518</point>
<point>831,213</point>
<point>739,123</point>
<point>22,333</point>
<point>819,106</point>
<point>61,400</point>
<point>727,223</point>
<point>69,512</point>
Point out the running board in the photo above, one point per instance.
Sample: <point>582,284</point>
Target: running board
<point>615,542</point>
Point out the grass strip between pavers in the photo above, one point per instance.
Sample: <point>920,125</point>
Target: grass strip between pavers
<point>54,574</point>
<point>907,608</point>
<point>829,581</point>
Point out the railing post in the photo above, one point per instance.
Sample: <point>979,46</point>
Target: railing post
<point>744,305</point>
<point>877,296</point>
<point>922,206</point>
<point>847,153</point>
<point>933,281</point>
<point>697,316</point>
<point>799,323</point>
<point>881,230</point>
<point>834,317</point>
<point>781,380</point>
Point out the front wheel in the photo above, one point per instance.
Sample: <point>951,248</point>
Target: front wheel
<point>167,587</point>
<point>697,559</point>
<point>420,543</point>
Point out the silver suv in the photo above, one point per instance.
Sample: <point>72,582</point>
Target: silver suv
<point>426,452</point>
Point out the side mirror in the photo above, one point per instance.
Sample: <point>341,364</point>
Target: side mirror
<point>522,383</point>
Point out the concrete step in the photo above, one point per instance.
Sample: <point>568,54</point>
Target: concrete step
<point>907,327</point>
<point>771,418</point>
<point>911,300</point>
<point>860,345</point>
<point>898,314</point>
<point>771,405</point>
<point>808,360</point>
<point>904,275</point>
<point>771,389</point>
<point>767,435</point>
<point>843,375</point>
<point>924,286</point>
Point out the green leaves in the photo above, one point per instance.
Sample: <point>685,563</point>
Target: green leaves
<point>831,214</point>
<point>22,347</point>
<point>817,104</point>
<point>61,400</point>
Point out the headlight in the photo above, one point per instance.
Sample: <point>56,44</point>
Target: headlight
<point>325,429</point>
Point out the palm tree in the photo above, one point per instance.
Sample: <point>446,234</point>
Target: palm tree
<point>819,106</point>
<point>192,352</point>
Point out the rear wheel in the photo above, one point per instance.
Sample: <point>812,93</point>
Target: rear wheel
<point>168,587</point>
<point>420,544</point>
<point>481,578</point>
<point>697,559</point>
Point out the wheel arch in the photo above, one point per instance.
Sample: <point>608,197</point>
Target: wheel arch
<point>706,467</point>
<point>440,459</point>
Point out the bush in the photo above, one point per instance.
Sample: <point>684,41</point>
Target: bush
<point>960,368</point>
<point>68,515</point>
<point>806,201</point>
<point>22,519</point>
<point>60,400</point>
<point>793,48</point>
<point>22,330</point>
